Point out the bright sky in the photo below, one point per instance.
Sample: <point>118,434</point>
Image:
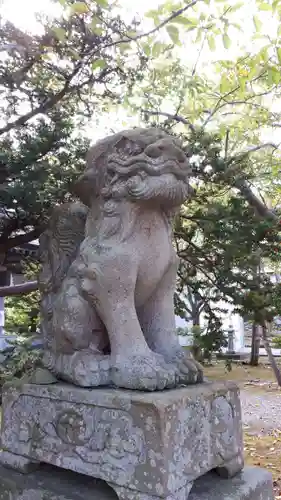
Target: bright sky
<point>22,13</point>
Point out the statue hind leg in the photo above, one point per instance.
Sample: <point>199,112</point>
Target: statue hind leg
<point>79,338</point>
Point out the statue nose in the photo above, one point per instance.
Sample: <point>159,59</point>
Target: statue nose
<point>167,149</point>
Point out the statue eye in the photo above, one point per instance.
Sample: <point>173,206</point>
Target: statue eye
<point>126,147</point>
<point>152,151</point>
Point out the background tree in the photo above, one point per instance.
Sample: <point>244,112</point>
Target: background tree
<point>50,86</point>
<point>84,59</point>
<point>232,224</point>
<point>22,311</point>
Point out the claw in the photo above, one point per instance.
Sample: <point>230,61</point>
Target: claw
<point>189,371</point>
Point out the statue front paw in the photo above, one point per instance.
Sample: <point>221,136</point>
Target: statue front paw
<point>85,368</point>
<point>189,370</point>
<point>145,372</point>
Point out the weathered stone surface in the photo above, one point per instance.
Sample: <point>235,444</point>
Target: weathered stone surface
<point>18,462</point>
<point>41,376</point>
<point>252,483</point>
<point>109,268</point>
<point>151,444</point>
<point>50,483</point>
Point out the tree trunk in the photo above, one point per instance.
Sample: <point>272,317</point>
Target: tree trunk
<point>255,345</point>
<point>195,317</point>
<point>261,209</point>
<point>271,358</point>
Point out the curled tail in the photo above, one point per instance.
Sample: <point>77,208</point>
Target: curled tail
<point>59,246</point>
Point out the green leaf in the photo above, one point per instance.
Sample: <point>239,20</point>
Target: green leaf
<point>124,47</point>
<point>74,54</point>
<point>198,36</point>
<point>237,26</point>
<point>224,84</point>
<point>98,30</point>
<point>173,33</point>
<point>157,49</point>
<point>226,41</point>
<point>264,54</point>
<point>257,23</point>
<point>265,6</point>
<point>60,33</point>
<point>236,7</point>
<point>99,63</point>
<point>211,43</point>
<point>147,49</point>
<point>79,8</point>
<point>153,14</point>
<point>131,34</point>
<point>279,54</point>
<point>274,76</point>
<point>183,20</point>
<point>193,21</point>
<point>102,3</point>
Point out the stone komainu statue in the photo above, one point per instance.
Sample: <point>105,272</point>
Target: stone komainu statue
<point>109,268</point>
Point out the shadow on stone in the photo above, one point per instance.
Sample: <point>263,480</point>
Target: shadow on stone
<point>52,483</point>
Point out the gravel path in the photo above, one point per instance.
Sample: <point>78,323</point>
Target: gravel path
<point>261,412</point>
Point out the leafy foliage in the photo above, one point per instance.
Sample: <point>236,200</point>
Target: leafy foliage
<point>50,86</point>
<point>222,107</point>
<point>21,320</point>
<point>21,361</point>
<point>90,59</point>
<point>22,311</point>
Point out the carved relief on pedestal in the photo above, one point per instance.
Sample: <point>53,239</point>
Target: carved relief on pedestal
<point>75,436</point>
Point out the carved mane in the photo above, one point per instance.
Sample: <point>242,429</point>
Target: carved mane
<point>116,164</point>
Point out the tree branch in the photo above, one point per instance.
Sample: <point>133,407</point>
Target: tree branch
<point>199,55</point>
<point>244,154</point>
<point>52,101</point>
<point>154,30</point>
<point>177,118</point>
<point>261,209</point>
<point>175,14</point>
<point>40,109</point>
<point>23,288</point>
<point>223,99</point>
<point>19,239</point>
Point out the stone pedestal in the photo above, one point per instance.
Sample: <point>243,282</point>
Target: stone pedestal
<point>146,446</point>
<point>50,483</point>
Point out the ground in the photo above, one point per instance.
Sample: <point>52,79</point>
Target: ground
<point>261,406</point>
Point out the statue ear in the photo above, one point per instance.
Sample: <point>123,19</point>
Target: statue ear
<point>90,183</point>
<point>84,187</point>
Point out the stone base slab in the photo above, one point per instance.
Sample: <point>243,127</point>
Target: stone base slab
<point>145,445</point>
<point>253,483</point>
<point>50,483</point>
